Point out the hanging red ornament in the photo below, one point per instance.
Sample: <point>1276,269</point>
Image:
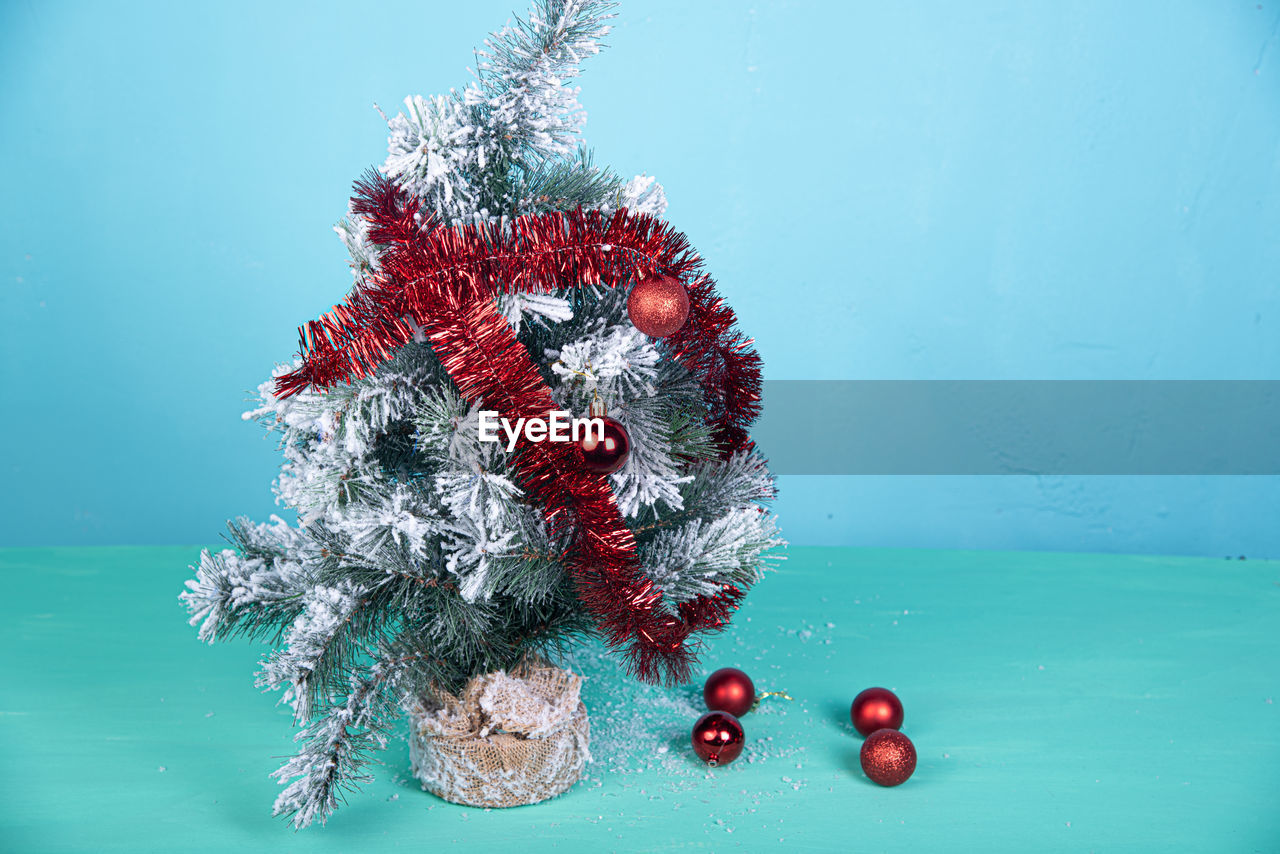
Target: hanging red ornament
<point>718,738</point>
<point>876,708</point>
<point>888,757</point>
<point>607,454</point>
<point>729,690</point>
<point>658,307</point>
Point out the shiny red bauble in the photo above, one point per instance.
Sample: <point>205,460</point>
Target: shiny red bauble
<point>876,708</point>
<point>729,690</point>
<point>659,306</point>
<point>888,757</point>
<point>718,738</point>
<point>607,455</point>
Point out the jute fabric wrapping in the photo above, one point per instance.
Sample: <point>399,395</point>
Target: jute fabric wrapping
<point>511,738</point>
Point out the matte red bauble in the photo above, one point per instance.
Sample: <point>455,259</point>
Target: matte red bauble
<point>608,455</point>
<point>718,738</point>
<point>876,708</point>
<point>729,690</point>
<point>659,306</point>
<point>888,757</point>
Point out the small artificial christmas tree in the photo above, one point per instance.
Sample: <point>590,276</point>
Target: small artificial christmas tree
<point>493,266</point>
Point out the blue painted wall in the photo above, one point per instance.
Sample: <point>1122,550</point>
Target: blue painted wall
<point>983,190</point>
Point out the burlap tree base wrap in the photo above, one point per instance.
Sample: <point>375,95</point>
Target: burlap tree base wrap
<point>510,739</point>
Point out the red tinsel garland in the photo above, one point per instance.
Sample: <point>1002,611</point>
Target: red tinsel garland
<point>446,279</point>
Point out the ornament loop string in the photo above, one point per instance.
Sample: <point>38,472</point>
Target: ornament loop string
<point>783,694</point>
<point>597,407</point>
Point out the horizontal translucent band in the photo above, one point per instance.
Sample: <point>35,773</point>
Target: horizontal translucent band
<point>1027,427</point>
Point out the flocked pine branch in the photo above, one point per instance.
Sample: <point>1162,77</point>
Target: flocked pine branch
<point>320,643</point>
<point>250,591</point>
<point>476,153</point>
<point>702,555</point>
<point>337,745</point>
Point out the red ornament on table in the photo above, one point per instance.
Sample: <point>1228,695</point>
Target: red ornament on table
<point>718,738</point>
<point>658,307</point>
<point>729,690</point>
<point>876,708</point>
<point>888,757</point>
<point>607,455</point>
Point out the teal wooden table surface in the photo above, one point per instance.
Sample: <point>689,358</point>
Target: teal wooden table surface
<point>1057,702</point>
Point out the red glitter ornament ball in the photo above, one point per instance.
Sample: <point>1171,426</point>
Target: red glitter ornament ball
<point>888,757</point>
<point>608,455</point>
<point>729,690</point>
<point>876,708</point>
<point>718,738</point>
<point>659,306</point>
